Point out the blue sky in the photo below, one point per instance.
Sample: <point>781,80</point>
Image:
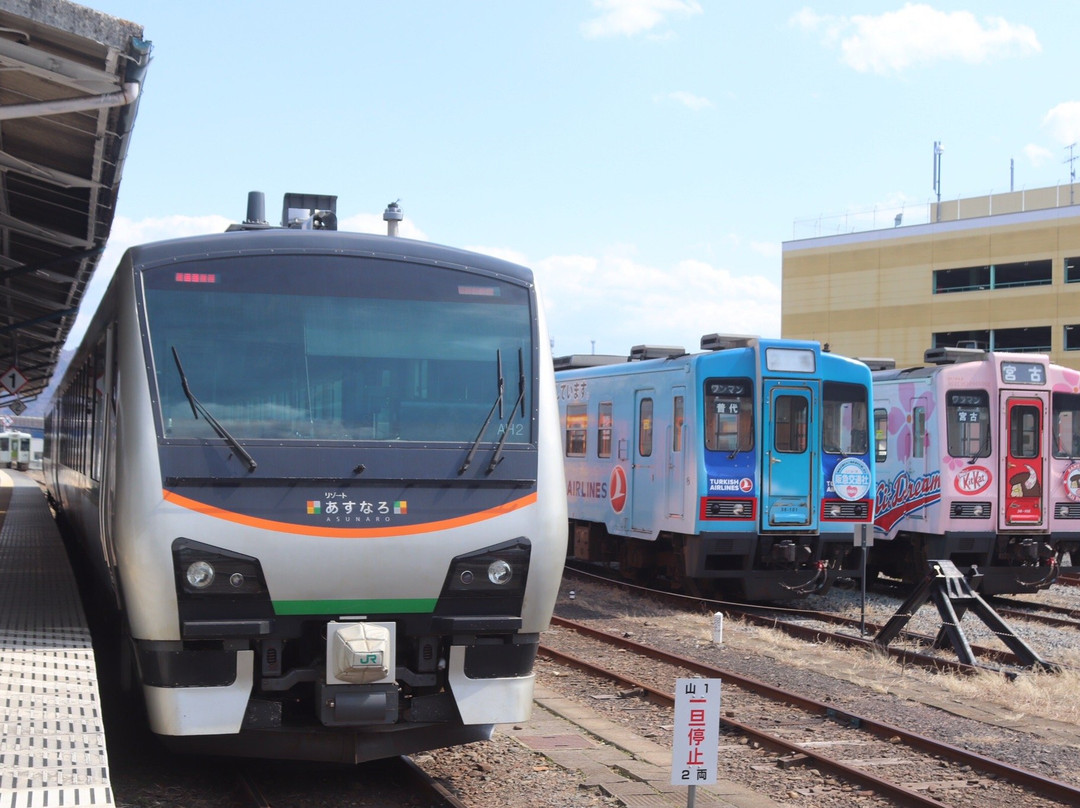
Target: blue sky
<point>647,158</point>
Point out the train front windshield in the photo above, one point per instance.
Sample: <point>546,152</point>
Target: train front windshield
<point>303,347</point>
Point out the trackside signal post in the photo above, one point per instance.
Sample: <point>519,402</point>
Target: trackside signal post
<point>696,737</point>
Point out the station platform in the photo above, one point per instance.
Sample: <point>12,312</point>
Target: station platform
<point>52,735</point>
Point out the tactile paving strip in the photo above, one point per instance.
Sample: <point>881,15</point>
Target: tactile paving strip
<point>52,739</point>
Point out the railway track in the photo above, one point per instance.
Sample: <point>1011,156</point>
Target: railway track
<point>915,648</point>
<point>899,766</point>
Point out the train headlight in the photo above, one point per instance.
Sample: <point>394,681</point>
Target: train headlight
<point>200,574</point>
<point>500,572</point>
<point>203,570</point>
<point>488,581</point>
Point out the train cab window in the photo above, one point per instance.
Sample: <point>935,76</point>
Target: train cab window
<point>1066,415</point>
<point>677,424</point>
<point>577,428</point>
<point>844,412</point>
<point>603,430</point>
<point>645,427</point>
<point>967,417</point>
<point>1024,431</point>
<point>881,435</point>
<point>729,415</point>
<point>792,415</point>
<point>301,347</point>
<point>918,432</point>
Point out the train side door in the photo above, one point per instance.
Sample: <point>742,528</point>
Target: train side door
<point>642,489</point>
<point>920,458</point>
<point>1022,474</point>
<point>788,457</point>
<point>676,462</point>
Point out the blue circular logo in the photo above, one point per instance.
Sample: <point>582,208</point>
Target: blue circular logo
<point>851,479</point>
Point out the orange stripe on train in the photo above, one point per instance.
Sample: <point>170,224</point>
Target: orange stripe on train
<point>348,533</point>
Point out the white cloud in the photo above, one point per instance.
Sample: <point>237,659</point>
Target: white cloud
<point>917,34</point>
<point>1063,121</point>
<point>614,299</point>
<point>619,303</point>
<point>630,17</point>
<point>689,100</point>
<point>1038,155</point>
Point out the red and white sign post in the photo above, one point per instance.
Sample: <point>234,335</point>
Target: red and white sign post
<point>696,737</point>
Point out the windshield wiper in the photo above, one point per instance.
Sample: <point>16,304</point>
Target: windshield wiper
<point>498,402</point>
<point>198,407</point>
<point>497,457</point>
<point>984,445</point>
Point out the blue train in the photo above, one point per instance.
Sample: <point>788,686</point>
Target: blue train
<point>741,471</point>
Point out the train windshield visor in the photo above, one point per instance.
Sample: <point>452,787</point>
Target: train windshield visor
<point>303,347</point>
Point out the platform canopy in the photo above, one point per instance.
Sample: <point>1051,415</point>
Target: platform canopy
<point>70,79</point>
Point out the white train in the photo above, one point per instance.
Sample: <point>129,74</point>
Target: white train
<point>320,474</point>
<point>15,449</point>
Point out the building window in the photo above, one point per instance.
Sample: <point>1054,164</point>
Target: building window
<point>1022,273</point>
<point>1023,340</point>
<point>1072,337</point>
<point>965,279</point>
<point>1016,340</point>
<point>997,276</point>
<point>1072,270</point>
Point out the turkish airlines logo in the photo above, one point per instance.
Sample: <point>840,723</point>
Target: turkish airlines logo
<point>617,486</point>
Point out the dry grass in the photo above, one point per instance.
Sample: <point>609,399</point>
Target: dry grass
<point>1051,696</point>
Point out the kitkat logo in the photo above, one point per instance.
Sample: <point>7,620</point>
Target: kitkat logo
<point>972,480</point>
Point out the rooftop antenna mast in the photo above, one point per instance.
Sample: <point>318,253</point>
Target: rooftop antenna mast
<point>938,149</point>
<point>1072,170</point>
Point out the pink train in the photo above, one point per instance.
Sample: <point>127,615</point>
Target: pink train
<point>978,462</point>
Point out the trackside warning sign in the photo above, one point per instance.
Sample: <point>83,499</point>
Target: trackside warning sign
<point>697,732</point>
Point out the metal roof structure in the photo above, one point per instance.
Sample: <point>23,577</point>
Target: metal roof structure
<point>70,79</point>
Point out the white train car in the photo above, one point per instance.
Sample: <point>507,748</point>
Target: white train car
<point>16,449</point>
<point>319,475</point>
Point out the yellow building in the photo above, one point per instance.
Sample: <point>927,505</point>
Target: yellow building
<point>1000,272</point>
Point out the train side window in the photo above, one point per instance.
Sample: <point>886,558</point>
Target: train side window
<point>577,428</point>
<point>844,418</point>
<point>1024,431</point>
<point>729,415</point>
<point>603,430</point>
<point>1066,416</point>
<point>792,414</point>
<point>677,424</point>
<point>918,432</point>
<point>967,417</point>
<point>881,435</point>
<point>645,427</point>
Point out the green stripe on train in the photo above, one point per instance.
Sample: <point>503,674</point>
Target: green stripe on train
<point>365,607</point>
